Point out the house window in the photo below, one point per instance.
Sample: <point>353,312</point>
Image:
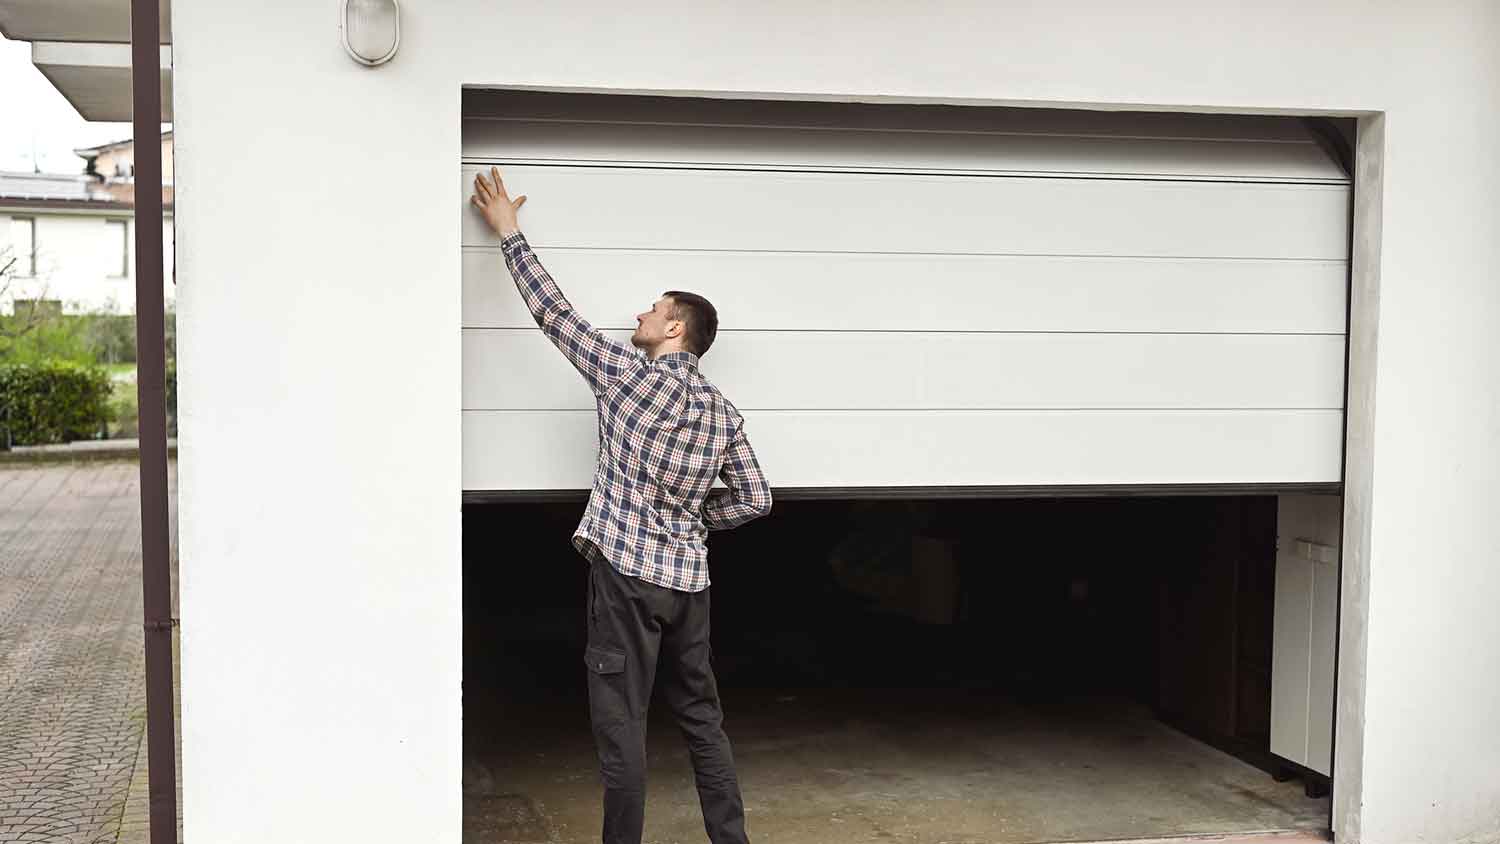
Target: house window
<point>23,245</point>
<point>119,232</point>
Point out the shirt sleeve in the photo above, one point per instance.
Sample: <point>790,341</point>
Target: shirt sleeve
<point>748,496</point>
<point>598,358</point>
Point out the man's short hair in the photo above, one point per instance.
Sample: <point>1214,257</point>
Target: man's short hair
<point>700,319</point>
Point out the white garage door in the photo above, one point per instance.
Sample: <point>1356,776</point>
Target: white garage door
<point>925,297</point>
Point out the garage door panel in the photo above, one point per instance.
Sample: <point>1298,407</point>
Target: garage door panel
<point>547,450</point>
<point>615,208</point>
<point>944,297</point>
<point>852,291</point>
<point>542,142</point>
<point>519,368</point>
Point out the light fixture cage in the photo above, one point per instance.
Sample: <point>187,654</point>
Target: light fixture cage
<point>365,28</point>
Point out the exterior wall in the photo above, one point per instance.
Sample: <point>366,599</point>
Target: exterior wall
<point>320,584</point>
<point>78,260</point>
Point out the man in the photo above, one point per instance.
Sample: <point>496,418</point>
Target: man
<point>665,433</point>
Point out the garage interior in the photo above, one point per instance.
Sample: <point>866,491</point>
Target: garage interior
<point>919,669</point>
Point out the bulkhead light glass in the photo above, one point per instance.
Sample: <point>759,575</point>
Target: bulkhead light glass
<point>371,30</point>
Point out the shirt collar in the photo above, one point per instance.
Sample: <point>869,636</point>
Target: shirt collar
<point>684,356</point>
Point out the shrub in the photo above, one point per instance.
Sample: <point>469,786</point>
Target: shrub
<point>110,337</point>
<point>171,387</point>
<point>52,402</point>
<point>124,414</point>
<point>42,337</point>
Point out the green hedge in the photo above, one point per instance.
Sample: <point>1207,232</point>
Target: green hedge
<point>51,402</point>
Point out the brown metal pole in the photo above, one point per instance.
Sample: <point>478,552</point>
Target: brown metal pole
<point>151,376</point>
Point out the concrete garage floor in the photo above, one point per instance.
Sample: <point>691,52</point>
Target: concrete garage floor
<point>828,766</point>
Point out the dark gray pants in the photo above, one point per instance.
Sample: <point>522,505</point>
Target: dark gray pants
<point>631,623</point>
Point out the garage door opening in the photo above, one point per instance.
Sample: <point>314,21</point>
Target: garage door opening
<point>927,302</point>
<point>1006,670</point>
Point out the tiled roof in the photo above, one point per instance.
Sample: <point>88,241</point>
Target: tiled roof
<point>51,186</point>
<point>90,152</point>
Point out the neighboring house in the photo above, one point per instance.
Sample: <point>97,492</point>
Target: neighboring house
<point>73,236</point>
<point>114,165</point>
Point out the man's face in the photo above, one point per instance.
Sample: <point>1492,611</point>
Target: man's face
<point>652,326</point>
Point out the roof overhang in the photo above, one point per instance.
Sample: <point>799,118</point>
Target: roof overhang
<point>91,21</point>
<point>83,48</point>
<point>95,77</point>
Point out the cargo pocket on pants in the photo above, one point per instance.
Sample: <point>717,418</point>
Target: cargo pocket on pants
<point>609,696</point>
<point>609,712</point>
<point>601,661</point>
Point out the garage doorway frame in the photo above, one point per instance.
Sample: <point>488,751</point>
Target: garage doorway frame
<point>1360,358</point>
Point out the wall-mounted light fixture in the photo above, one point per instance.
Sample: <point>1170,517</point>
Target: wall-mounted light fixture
<point>370,30</point>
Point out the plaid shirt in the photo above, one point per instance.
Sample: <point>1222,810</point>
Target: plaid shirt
<point>665,433</point>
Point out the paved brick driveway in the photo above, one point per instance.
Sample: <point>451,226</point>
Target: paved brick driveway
<point>72,669</point>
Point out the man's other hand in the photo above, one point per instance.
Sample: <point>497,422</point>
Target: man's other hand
<point>495,204</point>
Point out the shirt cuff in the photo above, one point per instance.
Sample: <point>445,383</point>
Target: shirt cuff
<point>512,239</point>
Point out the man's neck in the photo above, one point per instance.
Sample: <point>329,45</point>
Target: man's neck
<point>664,350</point>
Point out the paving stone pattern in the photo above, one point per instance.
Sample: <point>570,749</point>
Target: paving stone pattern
<point>72,666</point>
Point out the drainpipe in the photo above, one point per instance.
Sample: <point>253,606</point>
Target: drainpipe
<point>151,376</point>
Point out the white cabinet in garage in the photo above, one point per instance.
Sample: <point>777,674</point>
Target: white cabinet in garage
<point>925,297</point>
<point>1305,631</point>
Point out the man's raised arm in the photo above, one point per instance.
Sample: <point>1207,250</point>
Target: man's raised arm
<point>599,359</point>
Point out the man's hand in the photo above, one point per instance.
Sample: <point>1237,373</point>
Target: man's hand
<point>495,204</point>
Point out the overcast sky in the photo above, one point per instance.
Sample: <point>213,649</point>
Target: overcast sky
<point>33,115</point>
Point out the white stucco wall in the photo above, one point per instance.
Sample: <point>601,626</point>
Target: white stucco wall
<point>320,520</point>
